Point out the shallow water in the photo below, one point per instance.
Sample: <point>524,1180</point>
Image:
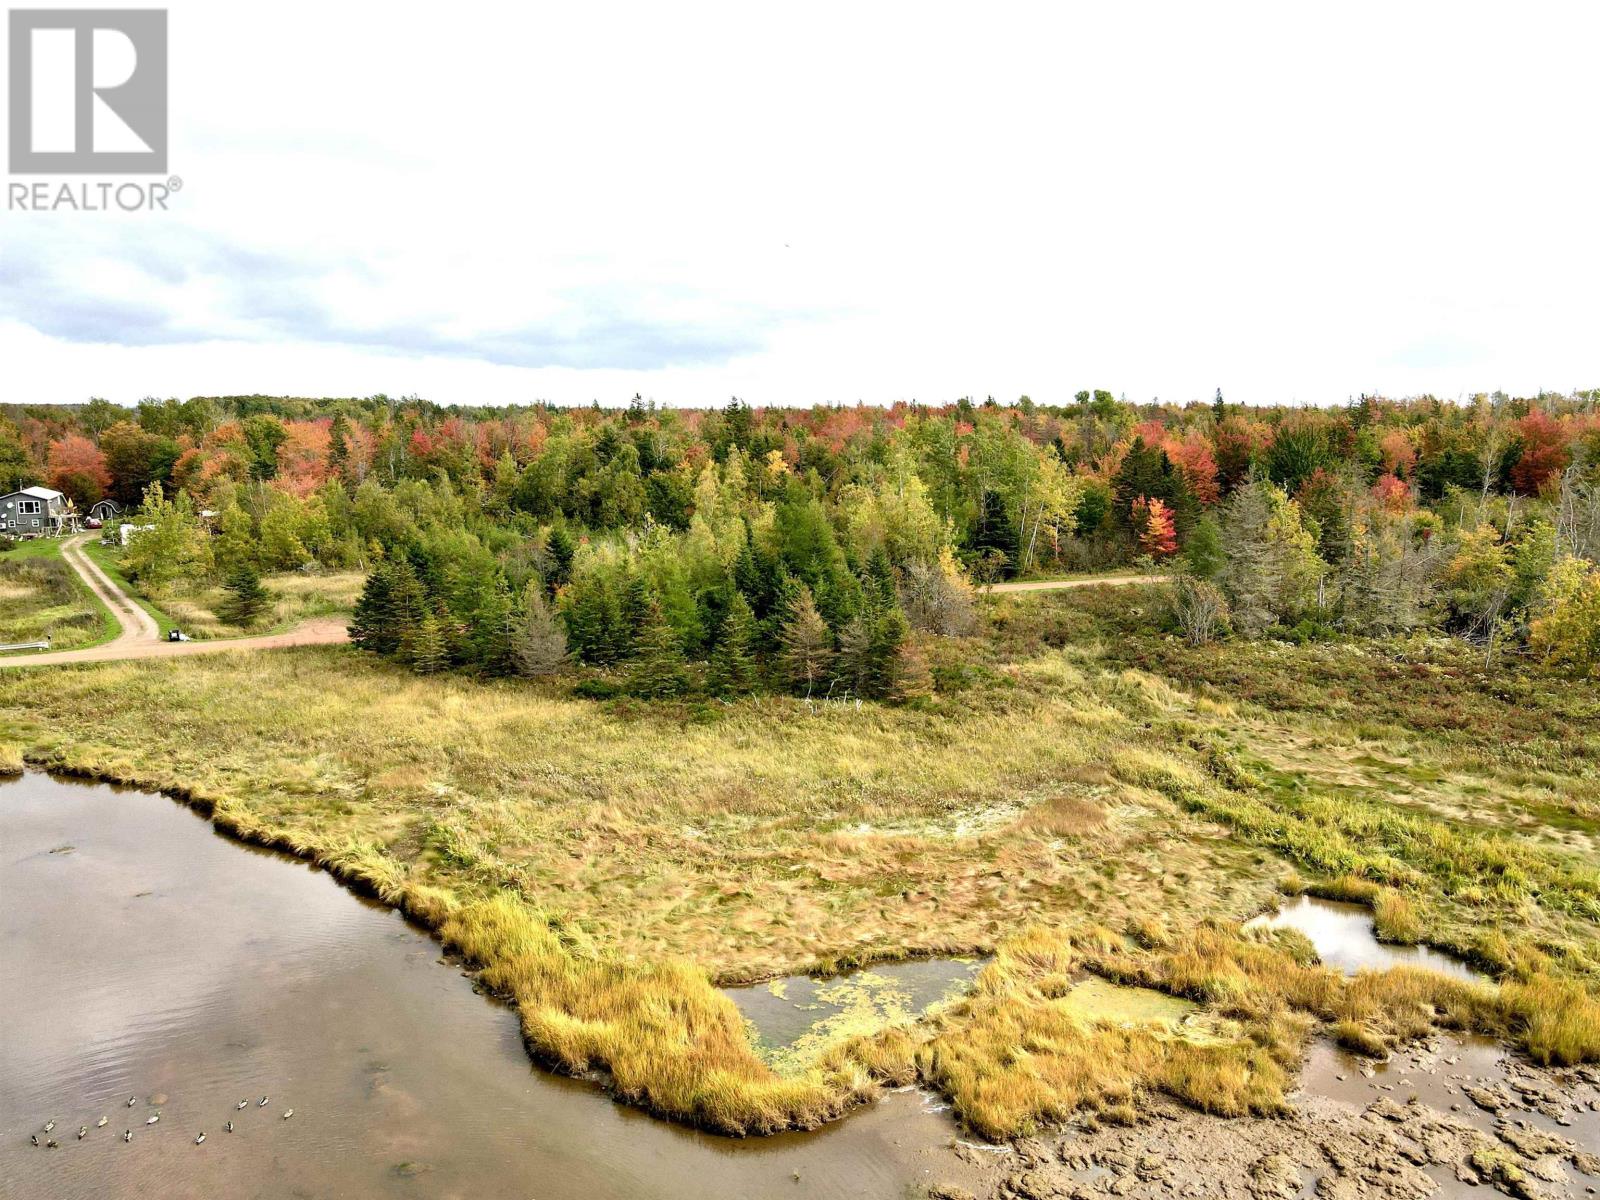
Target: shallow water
<point>142,953</point>
<point>1344,938</point>
<point>788,1011</point>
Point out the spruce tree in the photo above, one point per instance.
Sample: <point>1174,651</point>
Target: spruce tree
<point>370,626</point>
<point>561,549</point>
<point>246,600</point>
<point>538,646</point>
<point>658,669</point>
<point>806,652</point>
<point>733,665</point>
<point>427,647</point>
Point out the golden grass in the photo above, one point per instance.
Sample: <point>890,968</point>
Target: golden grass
<point>296,596</point>
<point>606,866</point>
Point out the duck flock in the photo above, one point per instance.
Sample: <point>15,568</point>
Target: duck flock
<point>44,1141</point>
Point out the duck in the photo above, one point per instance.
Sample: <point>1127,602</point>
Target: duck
<point>50,1124</point>
<point>34,1138</point>
<point>262,1103</point>
<point>288,1114</point>
<point>153,1119</point>
<point>100,1124</point>
<point>201,1138</point>
<point>132,1100</point>
<point>52,1144</point>
<point>83,1132</point>
<point>228,1128</point>
<point>241,1104</point>
<point>127,1135</point>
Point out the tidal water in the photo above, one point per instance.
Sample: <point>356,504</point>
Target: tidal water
<point>143,955</point>
<point>1344,939</point>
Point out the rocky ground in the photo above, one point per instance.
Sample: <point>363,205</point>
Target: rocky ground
<point>1444,1120</point>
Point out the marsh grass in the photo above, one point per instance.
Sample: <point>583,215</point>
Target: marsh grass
<point>607,866</point>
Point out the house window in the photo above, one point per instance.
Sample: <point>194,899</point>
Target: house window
<point>24,507</point>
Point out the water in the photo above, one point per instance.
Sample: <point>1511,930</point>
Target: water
<point>141,954</point>
<point>793,1013</point>
<point>1343,936</point>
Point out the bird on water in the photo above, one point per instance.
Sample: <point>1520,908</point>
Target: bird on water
<point>201,1138</point>
<point>228,1128</point>
<point>101,1122</point>
<point>127,1135</point>
<point>288,1114</point>
<point>83,1132</point>
<point>262,1103</point>
<point>153,1119</point>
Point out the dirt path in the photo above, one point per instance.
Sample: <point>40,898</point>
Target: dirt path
<point>1051,585</point>
<point>141,637</point>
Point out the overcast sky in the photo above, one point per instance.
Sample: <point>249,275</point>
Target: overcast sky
<point>829,203</point>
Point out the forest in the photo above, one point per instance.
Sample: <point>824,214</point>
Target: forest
<point>716,552</point>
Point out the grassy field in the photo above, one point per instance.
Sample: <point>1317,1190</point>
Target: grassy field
<point>1083,796</point>
<point>296,596</point>
<point>42,597</point>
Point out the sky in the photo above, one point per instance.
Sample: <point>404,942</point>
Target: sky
<point>832,203</point>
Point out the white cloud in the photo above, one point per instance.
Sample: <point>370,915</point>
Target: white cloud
<point>840,202</point>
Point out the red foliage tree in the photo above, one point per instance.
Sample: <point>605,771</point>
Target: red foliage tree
<point>1391,492</point>
<point>1158,537</point>
<point>1194,460</point>
<point>1545,452</point>
<point>77,468</point>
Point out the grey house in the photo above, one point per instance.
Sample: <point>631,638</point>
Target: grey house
<point>35,512</point>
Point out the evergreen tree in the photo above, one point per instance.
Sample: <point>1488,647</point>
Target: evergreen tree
<point>659,669</point>
<point>806,653</point>
<point>994,538</point>
<point>538,646</point>
<point>561,549</point>
<point>733,667</point>
<point>427,648</point>
<point>490,628</point>
<point>339,447</point>
<point>246,600</point>
<point>637,602</point>
<point>1203,554</point>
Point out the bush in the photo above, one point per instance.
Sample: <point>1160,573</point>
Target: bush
<point>1199,608</point>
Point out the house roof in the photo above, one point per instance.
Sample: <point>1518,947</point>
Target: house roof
<point>41,493</point>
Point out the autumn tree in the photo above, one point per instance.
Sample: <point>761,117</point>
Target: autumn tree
<point>78,469</point>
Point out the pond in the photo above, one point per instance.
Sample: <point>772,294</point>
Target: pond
<point>794,1013</point>
<point>143,955</point>
<point>1344,938</point>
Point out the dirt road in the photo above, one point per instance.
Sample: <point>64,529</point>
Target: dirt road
<point>1050,585</point>
<point>141,637</point>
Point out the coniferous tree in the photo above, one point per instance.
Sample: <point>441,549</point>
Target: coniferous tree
<point>538,646</point>
<point>994,539</point>
<point>561,549</point>
<point>733,666</point>
<point>247,599</point>
<point>426,646</point>
<point>338,447</point>
<point>806,653</point>
<point>658,669</point>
